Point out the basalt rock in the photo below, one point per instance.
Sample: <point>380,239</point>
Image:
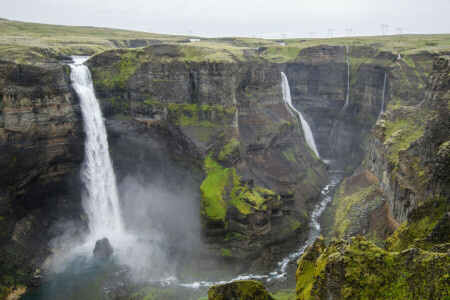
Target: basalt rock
<point>239,290</point>
<point>260,178</point>
<point>103,248</point>
<point>408,150</point>
<point>41,149</point>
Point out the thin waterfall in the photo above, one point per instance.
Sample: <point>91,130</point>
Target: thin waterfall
<point>288,102</point>
<point>383,96</point>
<point>100,198</point>
<point>341,112</point>
<point>348,80</point>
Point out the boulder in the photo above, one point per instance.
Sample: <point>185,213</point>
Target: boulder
<point>103,248</point>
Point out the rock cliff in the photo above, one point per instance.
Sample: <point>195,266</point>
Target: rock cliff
<point>40,152</point>
<point>230,114</point>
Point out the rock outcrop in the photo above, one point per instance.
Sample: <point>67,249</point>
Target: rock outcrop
<point>318,78</point>
<point>408,151</point>
<point>359,269</point>
<point>41,150</point>
<point>239,290</point>
<point>260,177</point>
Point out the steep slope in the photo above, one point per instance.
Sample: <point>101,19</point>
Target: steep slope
<point>409,156</point>
<point>260,177</point>
<point>40,153</point>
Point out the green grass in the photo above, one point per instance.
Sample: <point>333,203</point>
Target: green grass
<point>33,42</point>
<point>401,132</point>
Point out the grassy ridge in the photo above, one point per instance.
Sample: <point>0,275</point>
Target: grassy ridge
<point>28,42</point>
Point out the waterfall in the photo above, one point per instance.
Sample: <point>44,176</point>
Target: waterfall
<point>288,102</point>
<point>337,123</point>
<point>348,80</point>
<point>100,198</point>
<point>383,96</point>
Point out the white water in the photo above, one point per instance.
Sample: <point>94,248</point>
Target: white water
<point>288,102</point>
<point>348,80</point>
<point>100,199</point>
<point>383,96</point>
<point>281,271</point>
<point>347,96</point>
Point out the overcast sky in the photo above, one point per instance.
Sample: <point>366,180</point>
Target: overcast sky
<point>262,18</point>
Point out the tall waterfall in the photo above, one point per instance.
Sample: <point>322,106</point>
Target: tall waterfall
<point>383,96</point>
<point>100,199</point>
<point>348,80</point>
<point>337,125</point>
<point>288,102</point>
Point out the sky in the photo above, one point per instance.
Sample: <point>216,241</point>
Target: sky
<point>259,18</point>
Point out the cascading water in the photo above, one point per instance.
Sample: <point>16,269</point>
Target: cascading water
<point>100,199</point>
<point>333,139</point>
<point>348,80</point>
<point>288,102</point>
<point>281,271</point>
<point>383,96</point>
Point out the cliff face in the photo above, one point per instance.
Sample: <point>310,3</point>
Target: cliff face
<point>408,151</point>
<point>40,149</point>
<point>260,179</point>
<point>406,174</point>
<point>319,86</point>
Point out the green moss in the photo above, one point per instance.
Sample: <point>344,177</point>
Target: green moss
<point>422,220</point>
<point>223,187</point>
<point>400,133</point>
<point>212,190</point>
<point>225,252</point>
<point>361,270</point>
<point>229,149</point>
<point>409,62</point>
<point>284,295</point>
<point>289,155</point>
<point>242,289</point>
<point>151,101</point>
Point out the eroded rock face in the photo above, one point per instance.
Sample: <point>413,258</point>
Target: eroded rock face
<point>231,115</point>
<point>239,290</point>
<point>318,79</point>
<point>409,149</point>
<point>41,148</point>
<point>361,208</point>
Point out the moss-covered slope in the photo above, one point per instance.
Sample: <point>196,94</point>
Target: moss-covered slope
<point>361,270</point>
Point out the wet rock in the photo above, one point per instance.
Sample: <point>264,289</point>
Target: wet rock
<point>103,248</point>
<point>239,290</point>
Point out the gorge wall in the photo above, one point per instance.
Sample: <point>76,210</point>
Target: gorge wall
<point>221,119</point>
<point>41,148</point>
<point>259,176</point>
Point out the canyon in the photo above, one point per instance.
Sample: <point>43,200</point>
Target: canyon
<point>203,127</point>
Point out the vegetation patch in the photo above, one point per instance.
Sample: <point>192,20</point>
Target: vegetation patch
<point>229,149</point>
<point>421,221</point>
<point>222,187</point>
<point>400,132</point>
<point>361,270</point>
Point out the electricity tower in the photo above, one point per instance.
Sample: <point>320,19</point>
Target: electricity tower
<point>384,29</point>
<point>330,33</point>
<point>399,31</point>
<point>349,31</point>
<point>311,34</point>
